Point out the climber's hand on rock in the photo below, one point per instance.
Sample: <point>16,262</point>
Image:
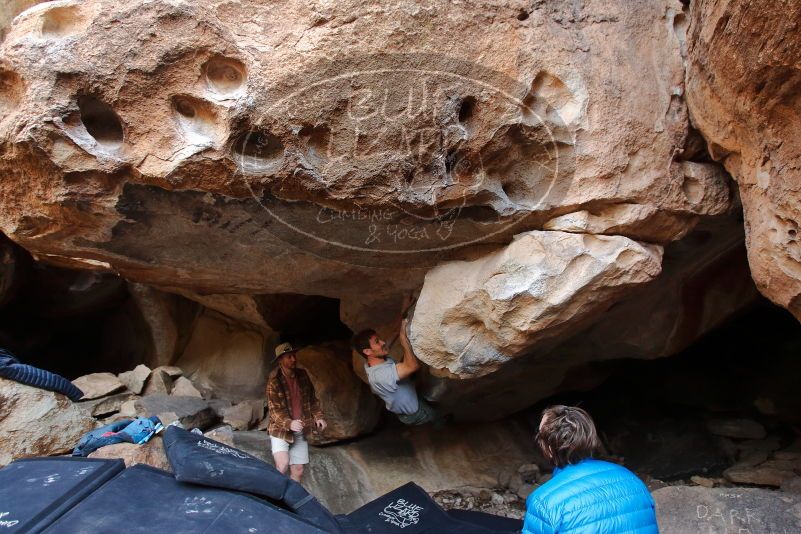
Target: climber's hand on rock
<point>296,425</point>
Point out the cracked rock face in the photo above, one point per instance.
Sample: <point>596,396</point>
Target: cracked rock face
<point>743,86</point>
<point>216,149</point>
<point>472,317</point>
<point>704,279</point>
<point>321,148</point>
<point>35,422</point>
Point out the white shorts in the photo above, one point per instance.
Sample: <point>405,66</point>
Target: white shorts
<point>298,449</point>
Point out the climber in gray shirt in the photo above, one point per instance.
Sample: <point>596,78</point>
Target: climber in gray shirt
<point>390,380</point>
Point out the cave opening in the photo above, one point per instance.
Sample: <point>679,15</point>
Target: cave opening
<point>74,322</point>
<point>705,409</point>
<point>304,320</point>
<point>71,322</point>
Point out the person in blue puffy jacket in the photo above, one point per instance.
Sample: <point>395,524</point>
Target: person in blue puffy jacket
<point>584,495</point>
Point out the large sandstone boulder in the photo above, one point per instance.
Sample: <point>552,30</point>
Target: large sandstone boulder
<point>472,317</point>
<point>742,90</point>
<point>96,385</point>
<point>345,149</point>
<point>225,356</point>
<point>136,378</point>
<point>158,313</point>
<point>191,412</point>
<point>703,282</point>
<point>210,148</point>
<point>151,453</point>
<point>348,405</point>
<point>35,422</point>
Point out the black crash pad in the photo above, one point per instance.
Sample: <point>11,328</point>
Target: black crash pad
<point>143,499</point>
<point>409,510</point>
<point>36,491</point>
<point>494,522</point>
<point>200,460</point>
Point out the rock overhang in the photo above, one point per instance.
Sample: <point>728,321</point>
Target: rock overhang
<point>343,150</point>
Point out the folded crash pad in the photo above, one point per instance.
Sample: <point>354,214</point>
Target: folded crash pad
<point>201,460</point>
<point>494,522</point>
<point>143,499</point>
<point>409,510</point>
<point>34,492</point>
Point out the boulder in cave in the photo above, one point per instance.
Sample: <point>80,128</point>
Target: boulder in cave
<point>235,171</point>
<point>349,407</point>
<point>183,387</point>
<point>191,412</point>
<point>512,132</point>
<point>704,281</point>
<point>136,378</point>
<point>226,357</point>
<point>35,422</point>
<point>159,383</point>
<point>743,80</point>
<point>472,317</point>
<point>150,453</point>
<point>682,509</point>
<point>98,385</point>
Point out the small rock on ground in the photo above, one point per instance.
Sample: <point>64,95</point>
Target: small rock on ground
<point>494,501</point>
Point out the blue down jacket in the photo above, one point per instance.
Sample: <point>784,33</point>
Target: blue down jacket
<point>591,497</point>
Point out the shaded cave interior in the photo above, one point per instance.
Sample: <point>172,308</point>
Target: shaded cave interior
<point>652,412</point>
<point>76,322</point>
